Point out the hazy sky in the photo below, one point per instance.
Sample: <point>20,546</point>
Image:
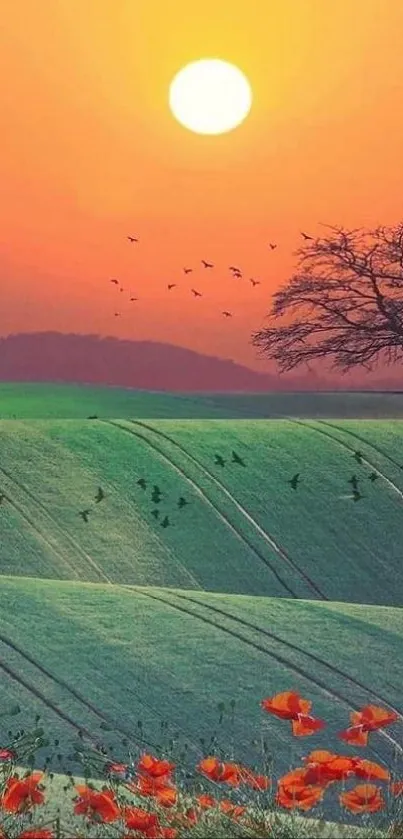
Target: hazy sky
<point>90,153</point>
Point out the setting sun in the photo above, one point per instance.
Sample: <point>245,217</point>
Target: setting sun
<point>210,96</point>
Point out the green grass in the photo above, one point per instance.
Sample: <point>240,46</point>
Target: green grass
<point>245,531</point>
<point>254,589</point>
<point>157,655</point>
<point>31,400</point>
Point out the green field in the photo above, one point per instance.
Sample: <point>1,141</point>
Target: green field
<point>254,588</point>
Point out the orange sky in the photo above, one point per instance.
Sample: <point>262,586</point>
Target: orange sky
<point>90,152</point>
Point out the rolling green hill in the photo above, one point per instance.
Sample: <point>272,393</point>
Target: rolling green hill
<point>253,589</point>
<point>245,529</point>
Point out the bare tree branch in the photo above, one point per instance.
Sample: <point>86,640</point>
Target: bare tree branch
<point>346,301</point>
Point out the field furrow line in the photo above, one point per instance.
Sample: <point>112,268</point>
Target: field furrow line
<point>295,647</point>
<point>77,695</point>
<point>205,497</point>
<point>82,553</point>
<point>241,509</point>
<point>332,694</point>
<point>306,424</point>
<point>368,443</point>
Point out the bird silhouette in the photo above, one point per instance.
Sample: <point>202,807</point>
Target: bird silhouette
<point>219,461</point>
<point>115,281</point>
<point>92,416</point>
<point>132,299</point>
<point>353,481</point>
<point>155,513</point>
<point>358,457</point>
<point>373,477</point>
<point>227,314</point>
<point>305,235</point>
<point>254,282</point>
<point>294,481</point>
<point>237,459</point>
<point>171,285</point>
<point>234,268</point>
<point>207,264</point>
<point>237,275</point>
<point>165,522</point>
<point>84,515</point>
<point>356,495</point>
<point>182,502</point>
<point>132,239</point>
<point>196,293</point>
<point>100,495</point>
<point>117,314</point>
<point>273,247</point>
<point>121,289</point>
<point>142,483</point>
<point>187,270</point>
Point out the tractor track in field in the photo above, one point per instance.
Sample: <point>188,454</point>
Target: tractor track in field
<point>295,647</point>
<point>370,445</point>
<point>335,695</point>
<point>77,695</point>
<point>244,512</point>
<point>55,523</point>
<point>201,493</point>
<point>306,424</point>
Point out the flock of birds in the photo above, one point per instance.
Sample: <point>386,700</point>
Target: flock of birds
<point>235,271</point>
<point>157,494</point>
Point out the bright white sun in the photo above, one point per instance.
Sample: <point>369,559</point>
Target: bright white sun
<point>210,96</point>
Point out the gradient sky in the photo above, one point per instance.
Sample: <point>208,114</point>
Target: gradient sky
<point>90,153</point>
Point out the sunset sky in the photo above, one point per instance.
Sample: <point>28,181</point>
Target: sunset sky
<point>90,153</point>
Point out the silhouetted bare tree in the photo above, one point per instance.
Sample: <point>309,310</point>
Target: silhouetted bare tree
<point>346,302</point>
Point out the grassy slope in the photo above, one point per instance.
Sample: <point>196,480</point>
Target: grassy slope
<point>31,400</point>
<point>246,530</point>
<point>155,654</point>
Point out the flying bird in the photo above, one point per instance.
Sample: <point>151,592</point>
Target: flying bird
<point>171,285</point>
<point>237,459</point>
<point>234,268</point>
<point>219,461</point>
<point>117,314</point>
<point>182,502</point>
<point>100,495</point>
<point>273,247</point>
<point>188,270</point>
<point>373,477</point>
<point>353,481</point>
<point>196,293</point>
<point>305,235</point>
<point>115,281</point>
<point>358,457</point>
<point>155,513</point>
<point>132,299</point>
<point>356,495</point>
<point>84,515</point>
<point>142,483</point>
<point>132,239</point>
<point>237,275</point>
<point>254,282</point>
<point>227,314</point>
<point>294,481</point>
<point>165,522</point>
<point>207,264</point>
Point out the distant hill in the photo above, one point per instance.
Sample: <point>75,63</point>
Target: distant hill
<point>149,365</point>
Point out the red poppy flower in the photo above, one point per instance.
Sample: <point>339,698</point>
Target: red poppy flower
<point>206,801</point>
<point>120,770</point>
<point>369,718</point>
<point>231,773</point>
<point>258,782</point>
<point>35,833</point>
<point>96,805</point>
<point>356,735</point>
<point>397,788</point>
<point>287,705</point>
<point>325,767</point>
<point>154,767</point>
<point>158,788</point>
<point>369,770</point>
<point>365,798</point>
<point>234,811</point>
<point>211,767</point>
<point>22,793</point>
<point>295,795</point>
<point>7,754</point>
<point>305,725</point>
<point>137,819</point>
